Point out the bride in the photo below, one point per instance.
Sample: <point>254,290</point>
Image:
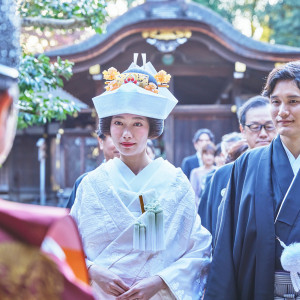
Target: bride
<point>141,233</point>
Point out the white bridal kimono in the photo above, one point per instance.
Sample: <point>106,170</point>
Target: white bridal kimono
<point>106,208</point>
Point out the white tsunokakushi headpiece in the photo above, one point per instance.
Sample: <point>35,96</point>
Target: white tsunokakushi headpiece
<point>138,90</point>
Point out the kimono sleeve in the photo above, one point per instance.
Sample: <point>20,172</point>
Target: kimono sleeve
<point>186,277</point>
<point>207,207</point>
<point>221,282</point>
<point>185,168</point>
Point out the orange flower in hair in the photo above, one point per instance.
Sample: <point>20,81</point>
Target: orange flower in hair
<point>162,77</point>
<point>151,87</point>
<point>112,85</point>
<point>110,74</point>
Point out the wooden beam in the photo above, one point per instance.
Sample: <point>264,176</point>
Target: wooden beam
<point>224,93</point>
<point>202,110</point>
<point>220,70</point>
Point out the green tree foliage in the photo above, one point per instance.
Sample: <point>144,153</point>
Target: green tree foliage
<point>222,7</point>
<point>232,9</point>
<point>249,9</point>
<point>63,14</point>
<point>279,20</point>
<point>283,19</point>
<point>38,76</point>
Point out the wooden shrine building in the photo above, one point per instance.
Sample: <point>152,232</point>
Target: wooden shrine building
<point>214,69</point>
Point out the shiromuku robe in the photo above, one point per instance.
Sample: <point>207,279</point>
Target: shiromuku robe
<point>247,253</point>
<point>107,207</point>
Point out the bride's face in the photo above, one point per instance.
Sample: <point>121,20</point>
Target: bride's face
<point>130,133</point>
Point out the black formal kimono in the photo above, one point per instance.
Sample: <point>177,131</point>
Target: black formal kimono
<point>212,196</point>
<point>74,190</point>
<point>189,163</point>
<point>247,254</point>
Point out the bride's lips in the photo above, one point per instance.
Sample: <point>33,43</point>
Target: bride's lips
<point>127,144</point>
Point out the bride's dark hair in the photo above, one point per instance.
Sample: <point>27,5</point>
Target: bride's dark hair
<point>156,127</point>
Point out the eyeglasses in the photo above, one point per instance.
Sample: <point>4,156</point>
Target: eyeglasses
<point>258,127</point>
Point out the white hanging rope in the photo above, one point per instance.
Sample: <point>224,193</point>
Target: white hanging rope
<point>135,57</point>
<point>144,60</point>
<point>286,194</point>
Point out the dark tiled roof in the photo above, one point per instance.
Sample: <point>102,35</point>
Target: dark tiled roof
<point>180,11</point>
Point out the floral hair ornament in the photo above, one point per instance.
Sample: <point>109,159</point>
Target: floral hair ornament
<point>138,90</point>
<point>115,79</point>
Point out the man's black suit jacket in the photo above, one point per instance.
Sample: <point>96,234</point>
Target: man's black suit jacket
<point>189,163</point>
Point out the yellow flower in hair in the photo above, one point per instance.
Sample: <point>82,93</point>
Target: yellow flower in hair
<point>162,77</point>
<point>151,87</point>
<point>112,85</point>
<point>110,74</point>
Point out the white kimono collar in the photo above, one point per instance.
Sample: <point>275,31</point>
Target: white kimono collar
<point>123,178</point>
<point>295,162</point>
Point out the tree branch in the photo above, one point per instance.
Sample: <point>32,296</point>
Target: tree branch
<point>53,23</point>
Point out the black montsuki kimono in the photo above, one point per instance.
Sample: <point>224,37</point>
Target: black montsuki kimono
<point>211,198</point>
<point>247,253</point>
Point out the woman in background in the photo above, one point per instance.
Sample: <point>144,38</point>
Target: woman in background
<point>198,175</point>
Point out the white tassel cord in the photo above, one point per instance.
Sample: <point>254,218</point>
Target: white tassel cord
<point>160,235</point>
<point>295,281</point>
<point>150,237</point>
<point>139,237</point>
<point>283,245</point>
<point>136,236</point>
<point>143,237</point>
<point>290,257</point>
<point>151,231</point>
<point>290,261</point>
<point>135,57</point>
<point>144,60</point>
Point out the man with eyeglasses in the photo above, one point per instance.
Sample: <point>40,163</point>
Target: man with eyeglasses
<point>257,252</point>
<point>256,123</point>
<point>257,128</point>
